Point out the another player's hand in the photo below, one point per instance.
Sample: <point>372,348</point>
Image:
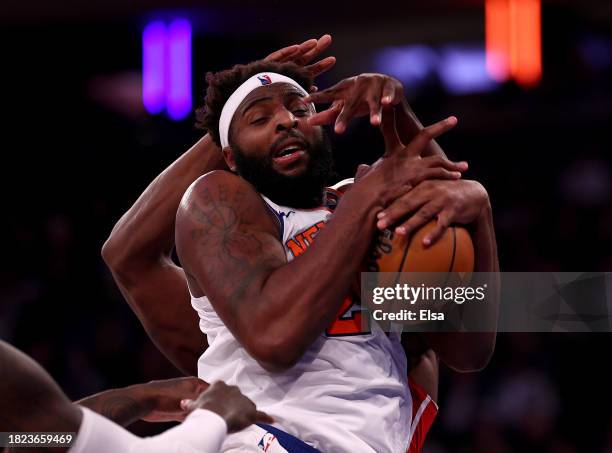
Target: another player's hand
<point>402,167</point>
<point>226,400</point>
<point>303,54</point>
<point>354,97</point>
<point>451,202</point>
<point>164,397</point>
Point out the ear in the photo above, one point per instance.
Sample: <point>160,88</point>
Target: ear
<point>228,155</point>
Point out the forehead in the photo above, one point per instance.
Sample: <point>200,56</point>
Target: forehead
<point>274,91</point>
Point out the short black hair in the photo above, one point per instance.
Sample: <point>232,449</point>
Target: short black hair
<point>222,84</point>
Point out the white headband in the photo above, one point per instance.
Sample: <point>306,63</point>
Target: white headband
<point>256,81</point>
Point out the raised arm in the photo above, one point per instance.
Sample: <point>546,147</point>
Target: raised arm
<point>138,253</point>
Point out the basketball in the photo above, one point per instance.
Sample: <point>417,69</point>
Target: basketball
<point>453,252</point>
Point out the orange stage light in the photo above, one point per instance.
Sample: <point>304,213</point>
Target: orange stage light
<point>514,40</point>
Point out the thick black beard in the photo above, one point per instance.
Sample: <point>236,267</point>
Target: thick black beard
<point>301,191</point>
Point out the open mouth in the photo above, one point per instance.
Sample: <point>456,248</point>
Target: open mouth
<point>289,152</point>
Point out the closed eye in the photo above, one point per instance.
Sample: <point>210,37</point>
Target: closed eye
<point>260,120</point>
<point>300,112</point>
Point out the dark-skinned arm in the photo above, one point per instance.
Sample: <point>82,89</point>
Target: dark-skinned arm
<point>470,351</point>
<point>155,401</point>
<point>31,400</point>
<point>229,244</point>
<point>138,253</point>
<point>461,202</point>
<point>408,126</point>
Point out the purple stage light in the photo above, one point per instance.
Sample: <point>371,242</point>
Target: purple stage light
<point>460,67</point>
<point>178,86</point>
<point>411,64</point>
<point>154,40</point>
<point>463,70</point>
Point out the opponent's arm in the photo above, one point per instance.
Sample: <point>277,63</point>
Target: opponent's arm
<point>138,253</point>
<point>31,400</point>
<point>461,202</point>
<point>219,410</point>
<point>228,242</point>
<point>470,351</point>
<point>138,249</point>
<point>370,94</point>
<point>157,401</point>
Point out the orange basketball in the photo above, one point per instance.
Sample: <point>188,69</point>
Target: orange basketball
<point>453,252</point>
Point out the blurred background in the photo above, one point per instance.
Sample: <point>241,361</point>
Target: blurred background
<point>91,116</point>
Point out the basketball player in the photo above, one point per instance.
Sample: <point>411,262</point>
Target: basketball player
<point>138,251</point>
<point>32,402</point>
<point>268,296</point>
<point>139,247</point>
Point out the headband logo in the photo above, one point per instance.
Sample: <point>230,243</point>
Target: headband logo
<point>265,79</point>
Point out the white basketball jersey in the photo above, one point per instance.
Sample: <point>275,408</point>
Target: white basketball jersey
<point>348,393</point>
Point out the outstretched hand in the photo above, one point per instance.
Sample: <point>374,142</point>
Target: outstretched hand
<point>237,410</point>
<point>354,97</point>
<point>305,53</point>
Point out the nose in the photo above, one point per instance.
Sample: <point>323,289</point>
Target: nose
<point>285,120</point>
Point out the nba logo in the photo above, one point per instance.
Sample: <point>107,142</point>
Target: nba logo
<point>266,441</point>
<point>265,79</point>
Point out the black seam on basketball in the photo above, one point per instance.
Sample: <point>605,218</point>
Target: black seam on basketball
<point>452,262</point>
<point>401,266</point>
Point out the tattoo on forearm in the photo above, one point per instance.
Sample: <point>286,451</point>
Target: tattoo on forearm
<point>121,409</point>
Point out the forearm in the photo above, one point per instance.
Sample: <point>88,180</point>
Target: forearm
<point>485,245</point>
<point>146,230</point>
<point>296,314</point>
<point>408,126</point>
<point>160,299</point>
<point>123,406</point>
<point>471,351</point>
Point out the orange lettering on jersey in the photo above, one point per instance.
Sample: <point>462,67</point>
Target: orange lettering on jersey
<point>300,242</point>
<point>297,245</point>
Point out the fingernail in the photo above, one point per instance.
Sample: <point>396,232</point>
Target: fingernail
<point>426,242</point>
<point>400,230</point>
<point>452,120</point>
<point>456,174</point>
<point>339,128</point>
<point>386,99</point>
<point>381,224</point>
<point>381,214</point>
<point>375,119</point>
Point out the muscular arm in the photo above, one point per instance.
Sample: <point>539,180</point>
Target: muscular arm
<point>229,244</point>
<point>138,255</point>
